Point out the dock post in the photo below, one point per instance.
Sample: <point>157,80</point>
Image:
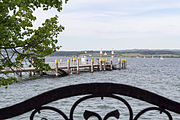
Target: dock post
<point>125,63</point>
<point>100,65</point>
<point>111,64</point>
<point>74,63</point>
<point>77,67</point>
<point>56,69</point>
<point>30,73</point>
<point>40,72</point>
<point>104,61</point>
<point>92,66</point>
<point>20,73</point>
<point>68,66</point>
<point>122,63</point>
<point>33,72</point>
<point>119,63</point>
<point>72,60</point>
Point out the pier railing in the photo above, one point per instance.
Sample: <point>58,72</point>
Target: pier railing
<point>92,90</point>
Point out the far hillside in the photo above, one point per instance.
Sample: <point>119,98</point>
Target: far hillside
<point>123,53</point>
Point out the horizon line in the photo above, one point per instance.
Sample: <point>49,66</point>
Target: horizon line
<point>123,49</point>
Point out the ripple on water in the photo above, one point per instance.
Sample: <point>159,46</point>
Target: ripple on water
<point>159,76</point>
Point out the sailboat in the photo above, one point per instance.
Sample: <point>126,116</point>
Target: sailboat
<point>112,53</point>
<point>161,58</point>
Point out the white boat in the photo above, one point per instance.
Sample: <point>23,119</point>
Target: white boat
<point>161,58</point>
<point>105,53</point>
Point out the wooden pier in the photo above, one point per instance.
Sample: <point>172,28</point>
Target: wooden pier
<point>76,67</point>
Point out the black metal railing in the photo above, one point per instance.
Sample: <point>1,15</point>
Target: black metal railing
<point>92,90</point>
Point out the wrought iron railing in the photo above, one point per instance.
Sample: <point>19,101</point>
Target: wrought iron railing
<point>92,90</point>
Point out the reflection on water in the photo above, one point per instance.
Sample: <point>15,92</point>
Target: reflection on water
<point>159,76</point>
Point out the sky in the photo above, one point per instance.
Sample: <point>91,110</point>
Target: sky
<point>117,24</point>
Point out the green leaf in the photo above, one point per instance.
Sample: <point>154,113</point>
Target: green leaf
<point>18,38</point>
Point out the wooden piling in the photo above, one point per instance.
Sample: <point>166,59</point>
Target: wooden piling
<point>56,69</point>
<point>68,66</point>
<point>87,62</point>
<point>111,64</point>
<point>104,62</point>
<point>98,62</point>
<point>119,64</point>
<point>71,59</point>
<point>92,67</point>
<point>100,65</point>
<point>20,73</point>
<point>30,73</point>
<point>33,73</point>
<point>40,72</point>
<point>124,63</point>
<point>77,67</point>
<point>74,63</point>
<point>74,59</point>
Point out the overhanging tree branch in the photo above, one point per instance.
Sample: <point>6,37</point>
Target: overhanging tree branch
<point>18,41</point>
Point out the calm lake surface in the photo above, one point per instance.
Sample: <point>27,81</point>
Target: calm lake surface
<point>155,75</point>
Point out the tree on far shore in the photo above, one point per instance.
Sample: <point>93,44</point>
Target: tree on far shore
<point>19,41</point>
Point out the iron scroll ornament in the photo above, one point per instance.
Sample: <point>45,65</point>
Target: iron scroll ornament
<point>92,90</point>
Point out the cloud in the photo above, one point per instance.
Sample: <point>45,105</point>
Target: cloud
<point>88,24</point>
<point>133,23</point>
<point>133,6</point>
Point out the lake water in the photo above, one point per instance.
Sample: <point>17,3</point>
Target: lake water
<point>155,75</point>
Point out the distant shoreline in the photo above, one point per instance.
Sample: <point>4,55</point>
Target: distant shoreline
<point>123,53</point>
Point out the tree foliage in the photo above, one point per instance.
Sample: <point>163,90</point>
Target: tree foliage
<point>18,38</point>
